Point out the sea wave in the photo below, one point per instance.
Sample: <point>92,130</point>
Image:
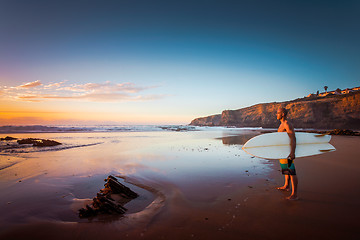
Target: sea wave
<point>28,149</point>
<point>97,128</point>
<point>113,128</point>
<point>37,129</point>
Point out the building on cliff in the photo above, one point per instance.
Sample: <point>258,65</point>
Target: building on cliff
<point>336,92</point>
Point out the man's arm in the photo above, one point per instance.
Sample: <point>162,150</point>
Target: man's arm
<point>290,131</point>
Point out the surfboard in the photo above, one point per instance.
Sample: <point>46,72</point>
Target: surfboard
<point>277,145</point>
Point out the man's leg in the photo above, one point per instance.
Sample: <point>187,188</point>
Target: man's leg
<point>286,184</point>
<point>294,183</point>
<point>284,170</point>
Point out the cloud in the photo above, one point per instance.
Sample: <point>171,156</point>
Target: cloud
<point>29,98</point>
<point>130,88</point>
<point>106,87</point>
<point>30,84</point>
<point>93,92</point>
<point>93,97</point>
<point>55,85</point>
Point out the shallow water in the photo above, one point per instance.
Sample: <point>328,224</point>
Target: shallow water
<point>52,183</point>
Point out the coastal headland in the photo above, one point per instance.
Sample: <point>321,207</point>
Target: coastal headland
<point>316,112</point>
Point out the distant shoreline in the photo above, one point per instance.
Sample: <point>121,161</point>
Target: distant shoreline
<point>39,129</point>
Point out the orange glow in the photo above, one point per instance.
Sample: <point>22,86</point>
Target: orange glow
<point>65,103</point>
<point>67,113</point>
<point>37,117</point>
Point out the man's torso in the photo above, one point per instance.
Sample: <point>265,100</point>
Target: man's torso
<point>282,127</point>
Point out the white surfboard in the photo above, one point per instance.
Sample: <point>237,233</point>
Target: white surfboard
<point>277,145</point>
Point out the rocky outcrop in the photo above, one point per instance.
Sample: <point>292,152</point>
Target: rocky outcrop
<point>7,138</point>
<point>36,142</point>
<point>336,111</point>
<point>213,120</point>
<point>104,202</point>
<point>346,132</point>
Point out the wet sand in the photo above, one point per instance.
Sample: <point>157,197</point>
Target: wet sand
<point>228,202</point>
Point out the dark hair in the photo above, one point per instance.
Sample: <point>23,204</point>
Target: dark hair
<point>284,111</point>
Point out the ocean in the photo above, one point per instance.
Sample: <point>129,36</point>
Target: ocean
<point>112,128</point>
<point>83,134</point>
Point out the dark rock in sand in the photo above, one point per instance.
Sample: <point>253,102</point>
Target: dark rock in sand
<point>336,132</point>
<point>38,142</point>
<point>7,138</point>
<point>116,187</point>
<point>104,203</point>
<point>343,132</point>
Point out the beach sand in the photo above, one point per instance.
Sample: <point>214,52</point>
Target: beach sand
<point>224,195</point>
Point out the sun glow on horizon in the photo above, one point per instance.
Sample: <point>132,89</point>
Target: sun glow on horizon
<point>87,118</point>
<point>89,103</point>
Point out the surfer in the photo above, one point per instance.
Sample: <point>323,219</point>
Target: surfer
<point>287,165</point>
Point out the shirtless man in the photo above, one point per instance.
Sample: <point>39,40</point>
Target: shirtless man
<point>287,165</point>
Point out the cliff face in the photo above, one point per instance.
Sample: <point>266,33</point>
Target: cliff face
<point>337,111</point>
<point>213,120</point>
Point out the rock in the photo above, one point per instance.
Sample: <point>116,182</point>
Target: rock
<point>333,111</point>
<point>7,138</point>
<point>343,132</point>
<point>104,203</point>
<point>46,143</point>
<point>38,142</point>
<point>213,120</point>
<point>336,132</point>
<point>116,187</point>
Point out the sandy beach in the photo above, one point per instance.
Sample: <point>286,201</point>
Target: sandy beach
<point>192,185</point>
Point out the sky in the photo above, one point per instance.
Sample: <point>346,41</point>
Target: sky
<point>168,62</point>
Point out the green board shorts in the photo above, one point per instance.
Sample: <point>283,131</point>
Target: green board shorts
<point>287,167</point>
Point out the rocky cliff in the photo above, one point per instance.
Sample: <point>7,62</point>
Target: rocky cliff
<point>335,111</point>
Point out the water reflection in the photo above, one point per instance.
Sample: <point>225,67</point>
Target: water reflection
<point>237,140</point>
<point>190,166</point>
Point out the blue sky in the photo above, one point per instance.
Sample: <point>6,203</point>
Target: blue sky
<point>150,62</point>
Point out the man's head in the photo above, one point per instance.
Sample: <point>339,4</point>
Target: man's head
<point>281,113</point>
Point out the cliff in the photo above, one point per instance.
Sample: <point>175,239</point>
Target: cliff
<point>335,111</point>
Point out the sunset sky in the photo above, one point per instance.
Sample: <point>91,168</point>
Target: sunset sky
<point>167,62</point>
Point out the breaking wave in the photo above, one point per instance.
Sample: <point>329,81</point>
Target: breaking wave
<point>25,148</point>
<point>97,128</point>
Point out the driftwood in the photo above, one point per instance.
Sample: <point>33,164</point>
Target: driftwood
<point>103,203</point>
<point>118,188</point>
<point>36,142</point>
